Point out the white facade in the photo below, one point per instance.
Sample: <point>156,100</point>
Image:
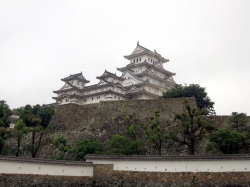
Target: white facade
<point>143,78</point>
<point>201,163</point>
<point>178,166</point>
<point>37,168</point>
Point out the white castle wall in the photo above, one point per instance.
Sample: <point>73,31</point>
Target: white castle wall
<point>45,169</point>
<point>179,166</point>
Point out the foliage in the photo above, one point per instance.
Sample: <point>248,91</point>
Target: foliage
<point>5,113</point>
<point>239,121</point>
<point>37,118</point>
<point>28,113</point>
<point>17,111</point>
<point>20,130</point>
<point>87,146</point>
<point>135,143</point>
<point>154,132</point>
<point>120,145</point>
<point>193,127</point>
<point>80,149</point>
<point>61,143</point>
<point>192,90</point>
<point>227,141</point>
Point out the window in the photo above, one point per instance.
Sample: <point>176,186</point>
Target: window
<point>115,97</point>
<point>85,100</point>
<point>92,98</point>
<point>140,59</point>
<point>82,84</point>
<point>136,60</point>
<point>98,97</point>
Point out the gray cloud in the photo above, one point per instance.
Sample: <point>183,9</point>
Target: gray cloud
<point>207,43</point>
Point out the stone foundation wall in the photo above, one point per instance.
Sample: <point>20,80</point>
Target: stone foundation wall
<point>18,180</point>
<point>101,120</point>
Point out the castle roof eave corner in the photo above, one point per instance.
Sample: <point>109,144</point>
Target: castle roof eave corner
<point>78,76</point>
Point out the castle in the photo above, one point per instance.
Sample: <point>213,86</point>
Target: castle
<point>143,78</point>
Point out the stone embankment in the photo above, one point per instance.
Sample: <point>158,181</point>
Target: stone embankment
<point>101,120</point>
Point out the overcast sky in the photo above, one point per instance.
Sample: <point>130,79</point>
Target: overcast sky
<point>207,42</point>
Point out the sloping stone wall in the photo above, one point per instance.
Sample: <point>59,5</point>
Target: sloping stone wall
<point>102,120</point>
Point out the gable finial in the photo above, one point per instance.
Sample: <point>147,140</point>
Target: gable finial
<point>138,43</point>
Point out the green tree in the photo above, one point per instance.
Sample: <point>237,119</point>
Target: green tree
<point>4,134</point>
<point>239,122</point>
<point>61,143</point>
<point>35,129</point>
<point>193,127</point>
<point>27,115</point>
<point>227,141</point>
<point>17,111</point>
<point>37,118</point>
<point>120,145</point>
<point>192,90</point>
<point>20,130</point>
<point>45,114</point>
<point>83,147</point>
<point>136,145</point>
<point>154,132</point>
<point>5,113</point>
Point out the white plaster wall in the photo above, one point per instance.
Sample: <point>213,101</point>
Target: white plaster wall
<point>179,166</point>
<point>43,169</point>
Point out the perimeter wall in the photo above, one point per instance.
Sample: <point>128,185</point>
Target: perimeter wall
<point>105,176</point>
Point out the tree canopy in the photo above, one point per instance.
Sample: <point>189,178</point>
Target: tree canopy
<point>227,141</point>
<point>29,113</point>
<point>192,90</point>
<point>5,113</point>
<point>193,127</point>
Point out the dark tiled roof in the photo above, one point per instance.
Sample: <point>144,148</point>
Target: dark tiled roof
<point>168,158</point>
<point>44,161</point>
<point>109,74</point>
<point>77,76</point>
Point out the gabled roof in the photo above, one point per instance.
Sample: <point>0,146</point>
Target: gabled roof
<point>132,74</point>
<point>109,74</point>
<point>133,89</point>
<point>156,65</point>
<point>77,76</point>
<point>139,50</point>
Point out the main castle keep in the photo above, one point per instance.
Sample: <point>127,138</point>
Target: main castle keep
<point>143,78</point>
